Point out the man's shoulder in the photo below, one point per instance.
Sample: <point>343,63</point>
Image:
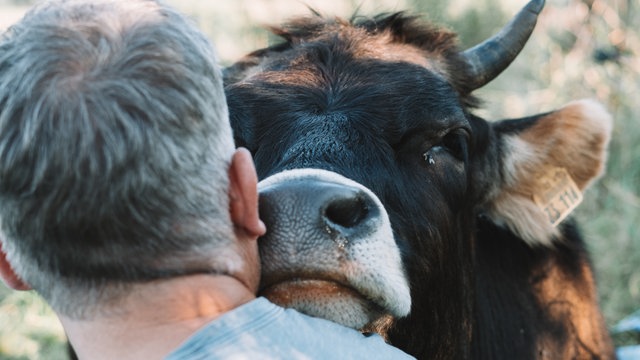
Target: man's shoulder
<point>260,328</point>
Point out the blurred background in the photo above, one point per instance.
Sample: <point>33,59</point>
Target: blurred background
<point>580,49</point>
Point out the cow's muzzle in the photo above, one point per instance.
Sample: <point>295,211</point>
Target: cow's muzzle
<point>329,249</point>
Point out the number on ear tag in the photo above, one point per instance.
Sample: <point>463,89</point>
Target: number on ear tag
<point>559,195</point>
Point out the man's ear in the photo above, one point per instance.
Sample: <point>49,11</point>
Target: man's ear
<point>553,157</point>
<point>8,275</point>
<point>243,194</point>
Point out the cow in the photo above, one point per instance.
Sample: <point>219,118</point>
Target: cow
<point>392,207</point>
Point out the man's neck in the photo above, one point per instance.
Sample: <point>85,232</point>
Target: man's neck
<point>155,318</point>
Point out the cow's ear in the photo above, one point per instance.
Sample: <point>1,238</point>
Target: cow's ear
<point>546,162</point>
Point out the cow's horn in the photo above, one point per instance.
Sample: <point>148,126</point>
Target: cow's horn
<point>489,58</point>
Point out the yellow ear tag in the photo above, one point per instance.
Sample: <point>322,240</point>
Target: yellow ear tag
<point>558,194</point>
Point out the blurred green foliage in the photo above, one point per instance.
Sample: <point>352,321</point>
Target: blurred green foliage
<point>29,329</point>
<point>588,48</point>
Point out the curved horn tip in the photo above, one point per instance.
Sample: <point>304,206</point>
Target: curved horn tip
<point>535,6</point>
<point>488,59</point>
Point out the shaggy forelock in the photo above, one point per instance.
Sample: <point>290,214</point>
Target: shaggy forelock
<point>114,145</point>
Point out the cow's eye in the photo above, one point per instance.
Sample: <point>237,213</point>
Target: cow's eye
<point>453,143</point>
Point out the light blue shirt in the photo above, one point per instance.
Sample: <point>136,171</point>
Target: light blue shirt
<point>262,330</point>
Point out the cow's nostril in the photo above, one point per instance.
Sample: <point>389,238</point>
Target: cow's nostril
<point>346,212</point>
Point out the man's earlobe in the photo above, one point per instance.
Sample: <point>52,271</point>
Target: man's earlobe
<point>243,193</point>
<point>8,275</point>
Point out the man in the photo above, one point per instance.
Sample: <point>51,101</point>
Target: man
<point>122,201</point>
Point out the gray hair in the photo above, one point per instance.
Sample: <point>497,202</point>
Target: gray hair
<point>114,150</point>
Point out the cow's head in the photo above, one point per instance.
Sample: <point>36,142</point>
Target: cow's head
<point>374,168</point>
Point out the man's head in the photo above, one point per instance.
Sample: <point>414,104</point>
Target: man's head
<point>114,151</point>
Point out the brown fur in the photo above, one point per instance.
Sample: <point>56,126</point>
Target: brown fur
<point>570,301</point>
<point>395,37</point>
